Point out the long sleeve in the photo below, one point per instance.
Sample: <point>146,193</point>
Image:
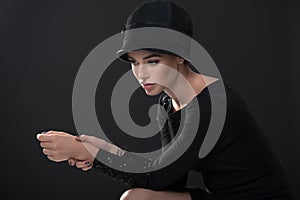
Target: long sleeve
<point>161,178</point>
<point>241,166</point>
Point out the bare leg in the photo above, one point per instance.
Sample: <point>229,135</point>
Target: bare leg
<point>170,195</point>
<point>146,194</point>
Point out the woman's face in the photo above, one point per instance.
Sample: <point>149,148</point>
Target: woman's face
<point>154,71</point>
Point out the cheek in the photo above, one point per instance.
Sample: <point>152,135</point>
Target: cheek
<point>163,75</point>
<point>135,72</point>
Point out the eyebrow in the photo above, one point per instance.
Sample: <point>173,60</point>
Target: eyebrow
<point>149,56</point>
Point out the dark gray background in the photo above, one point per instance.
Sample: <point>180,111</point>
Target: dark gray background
<point>43,43</point>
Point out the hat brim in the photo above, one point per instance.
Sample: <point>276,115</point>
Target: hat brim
<point>153,39</point>
<point>122,53</point>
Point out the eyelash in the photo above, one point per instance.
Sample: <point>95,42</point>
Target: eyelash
<point>151,62</point>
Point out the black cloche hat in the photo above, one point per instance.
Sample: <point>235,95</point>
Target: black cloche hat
<point>157,13</point>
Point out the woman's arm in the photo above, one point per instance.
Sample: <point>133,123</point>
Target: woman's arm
<point>157,177</point>
<point>60,146</point>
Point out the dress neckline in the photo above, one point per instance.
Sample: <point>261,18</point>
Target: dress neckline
<point>170,107</point>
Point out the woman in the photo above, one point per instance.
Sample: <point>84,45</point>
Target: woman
<point>241,165</point>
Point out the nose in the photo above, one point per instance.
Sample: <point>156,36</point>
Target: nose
<point>143,72</point>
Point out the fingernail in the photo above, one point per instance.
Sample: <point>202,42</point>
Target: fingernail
<point>77,138</point>
<point>71,163</point>
<point>87,163</point>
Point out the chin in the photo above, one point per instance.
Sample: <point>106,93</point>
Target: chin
<point>154,92</point>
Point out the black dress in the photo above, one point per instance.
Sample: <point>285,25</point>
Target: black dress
<point>242,165</point>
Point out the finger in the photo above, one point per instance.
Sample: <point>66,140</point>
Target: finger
<point>47,145</point>
<point>48,152</point>
<point>77,138</point>
<point>45,137</point>
<point>55,132</point>
<point>84,164</point>
<point>55,159</point>
<point>47,132</point>
<point>50,132</point>
<point>72,162</point>
<point>87,168</point>
<point>42,132</point>
<point>80,164</point>
<point>50,157</point>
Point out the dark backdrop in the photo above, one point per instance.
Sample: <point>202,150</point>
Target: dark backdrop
<point>255,44</point>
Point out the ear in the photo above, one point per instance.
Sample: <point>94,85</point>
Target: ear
<point>180,60</point>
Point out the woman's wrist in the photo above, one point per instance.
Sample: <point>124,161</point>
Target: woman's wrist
<point>84,151</point>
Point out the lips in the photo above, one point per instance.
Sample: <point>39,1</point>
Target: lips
<point>148,86</point>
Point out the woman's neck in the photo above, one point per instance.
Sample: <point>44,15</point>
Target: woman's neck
<point>187,86</point>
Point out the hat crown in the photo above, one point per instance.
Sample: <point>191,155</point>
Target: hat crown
<point>160,13</point>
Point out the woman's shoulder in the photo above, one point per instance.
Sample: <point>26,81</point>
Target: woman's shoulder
<point>217,93</point>
<point>221,91</point>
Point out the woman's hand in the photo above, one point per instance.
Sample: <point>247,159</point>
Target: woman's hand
<point>60,146</point>
<point>146,194</point>
<point>84,165</point>
<point>97,143</point>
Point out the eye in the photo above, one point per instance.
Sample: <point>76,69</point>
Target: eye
<point>153,62</point>
<point>134,63</point>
